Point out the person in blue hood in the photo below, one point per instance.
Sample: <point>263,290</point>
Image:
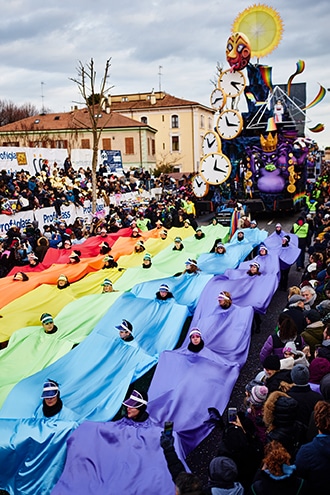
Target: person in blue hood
<point>277,475</point>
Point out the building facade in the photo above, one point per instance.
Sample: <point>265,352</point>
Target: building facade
<point>70,130</point>
<point>180,124</point>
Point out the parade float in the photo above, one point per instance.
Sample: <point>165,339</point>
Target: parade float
<point>259,155</point>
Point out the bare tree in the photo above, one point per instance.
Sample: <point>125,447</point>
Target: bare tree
<point>95,102</point>
<point>10,112</point>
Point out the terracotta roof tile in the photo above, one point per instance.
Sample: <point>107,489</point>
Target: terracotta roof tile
<point>76,119</point>
<point>145,104</point>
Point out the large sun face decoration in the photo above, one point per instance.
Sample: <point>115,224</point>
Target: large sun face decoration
<point>238,51</point>
<point>263,26</point>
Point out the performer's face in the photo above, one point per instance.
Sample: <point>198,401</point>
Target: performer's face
<point>132,412</point>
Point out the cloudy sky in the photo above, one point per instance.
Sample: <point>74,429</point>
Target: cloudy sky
<point>42,42</point>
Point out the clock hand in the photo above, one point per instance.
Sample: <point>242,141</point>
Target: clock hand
<point>210,144</point>
<point>199,184</point>
<point>217,169</point>
<point>236,85</point>
<point>217,99</point>
<point>230,124</point>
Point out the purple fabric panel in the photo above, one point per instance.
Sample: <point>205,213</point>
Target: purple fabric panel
<point>115,458</point>
<point>186,384</point>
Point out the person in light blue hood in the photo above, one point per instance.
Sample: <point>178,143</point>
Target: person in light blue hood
<point>277,475</point>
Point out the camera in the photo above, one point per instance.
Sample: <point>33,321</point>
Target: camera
<point>232,414</point>
<point>168,428</point>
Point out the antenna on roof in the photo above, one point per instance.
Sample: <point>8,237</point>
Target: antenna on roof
<point>42,97</point>
<point>160,77</point>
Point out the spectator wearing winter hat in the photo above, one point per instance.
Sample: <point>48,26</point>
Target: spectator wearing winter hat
<point>255,402</point>
<point>196,343</point>
<point>277,475</point>
<point>287,332</point>
<point>274,374</point>
<point>313,333</point>
<point>48,323</point>
<point>302,393</point>
<point>146,262</point>
<point>125,331</point>
<point>292,357</point>
<point>62,282</point>
<point>223,475</point>
<point>164,293</point>
<point>319,367</point>
<point>312,460</point>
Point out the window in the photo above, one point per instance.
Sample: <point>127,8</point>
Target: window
<point>11,143</point>
<point>144,120</point>
<point>61,144</point>
<point>106,143</point>
<point>163,118</point>
<point>210,123</point>
<point>175,143</point>
<point>129,146</point>
<point>175,121</point>
<point>153,147</point>
<point>202,122</point>
<point>85,144</point>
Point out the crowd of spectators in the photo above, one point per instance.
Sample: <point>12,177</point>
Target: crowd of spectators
<point>56,187</point>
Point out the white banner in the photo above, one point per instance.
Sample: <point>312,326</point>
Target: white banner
<point>45,216</point>
<point>14,159</point>
<point>19,220</point>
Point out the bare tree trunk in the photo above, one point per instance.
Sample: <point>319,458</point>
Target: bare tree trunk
<point>94,101</point>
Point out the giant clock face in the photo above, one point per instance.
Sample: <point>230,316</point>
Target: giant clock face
<point>229,124</point>
<point>200,187</point>
<point>211,143</point>
<point>215,168</point>
<point>217,99</point>
<point>232,82</point>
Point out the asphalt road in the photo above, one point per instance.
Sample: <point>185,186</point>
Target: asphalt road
<point>199,460</point>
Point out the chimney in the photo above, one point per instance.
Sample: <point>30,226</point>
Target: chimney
<point>153,97</point>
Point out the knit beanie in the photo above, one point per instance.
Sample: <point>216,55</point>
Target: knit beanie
<point>300,375</point>
<point>290,347</point>
<point>272,362</point>
<point>319,367</point>
<point>258,395</point>
<point>223,469</point>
